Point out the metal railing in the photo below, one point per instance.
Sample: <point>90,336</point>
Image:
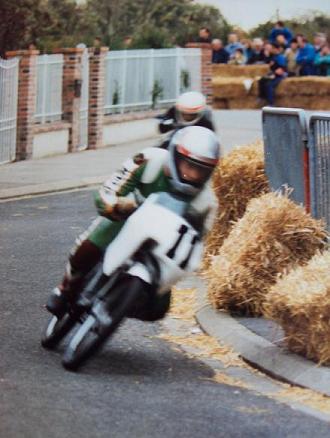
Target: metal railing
<point>142,79</point>
<point>319,144</point>
<point>49,88</point>
<point>286,153</point>
<point>8,108</point>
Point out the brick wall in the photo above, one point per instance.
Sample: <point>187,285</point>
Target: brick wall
<point>72,76</point>
<point>96,96</point>
<point>26,105</point>
<point>206,69</point>
<point>71,95</point>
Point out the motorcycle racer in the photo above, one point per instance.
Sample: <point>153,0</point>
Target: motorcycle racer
<point>184,170</point>
<point>190,109</point>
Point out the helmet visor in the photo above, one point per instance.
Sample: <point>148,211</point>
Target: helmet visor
<point>189,117</point>
<point>192,171</point>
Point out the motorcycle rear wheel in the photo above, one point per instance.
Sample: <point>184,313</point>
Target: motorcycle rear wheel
<point>90,338</point>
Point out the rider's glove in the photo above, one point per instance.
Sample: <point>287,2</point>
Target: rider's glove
<point>166,125</point>
<point>123,208</point>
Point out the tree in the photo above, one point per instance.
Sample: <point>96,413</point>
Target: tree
<point>156,23</point>
<point>65,29</point>
<point>46,23</point>
<point>150,23</point>
<point>21,23</point>
<point>308,25</point>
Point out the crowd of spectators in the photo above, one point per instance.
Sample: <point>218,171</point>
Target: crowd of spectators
<point>285,53</point>
<point>299,56</point>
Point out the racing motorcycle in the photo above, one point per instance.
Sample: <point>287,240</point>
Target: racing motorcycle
<point>157,246</point>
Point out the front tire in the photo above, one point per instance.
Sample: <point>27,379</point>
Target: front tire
<point>56,330</point>
<point>91,336</point>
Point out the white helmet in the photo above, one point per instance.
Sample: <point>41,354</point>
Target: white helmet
<point>196,149</point>
<point>190,107</point>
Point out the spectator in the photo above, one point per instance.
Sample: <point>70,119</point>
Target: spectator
<point>276,74</point>
<point>305,57</point>
<point>280,39</point>
<point>280,29</point>
<point>204,35</point>
<point>268,52</point>
<point>97,42</point>
<point>291,55</point>
<point>127,42</point>
<point>239,58</point>
<point>322,61</point>
<point>258,53</point>
<point>32,45</point>
<point>219,54</point>
<point>247,44</point>
<point>233,44</point>
<point>320,40</point>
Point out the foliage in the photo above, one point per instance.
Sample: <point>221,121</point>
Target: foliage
<point>116,94</point>
<point>44,23</point>
<point>308,25</point>
<point>156,93</point>
<point>149,23</point>
<point>184,80</point>
<point>60,23</point>
<point>20,22</point>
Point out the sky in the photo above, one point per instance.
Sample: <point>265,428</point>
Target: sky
<point>249,13</point>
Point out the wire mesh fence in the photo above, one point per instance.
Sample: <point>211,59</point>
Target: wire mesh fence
<point>49,88</point>
<point>143,79</point>
<point>8,108</point>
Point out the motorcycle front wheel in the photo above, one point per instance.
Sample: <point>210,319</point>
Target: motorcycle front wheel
<point>91,336</point>
<point>56,330</point>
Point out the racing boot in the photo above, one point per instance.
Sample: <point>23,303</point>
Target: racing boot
<point>57,303</point>
<point>85,256</point>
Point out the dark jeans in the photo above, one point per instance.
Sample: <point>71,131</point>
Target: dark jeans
<point>307,70</point>
<point>267,88</point>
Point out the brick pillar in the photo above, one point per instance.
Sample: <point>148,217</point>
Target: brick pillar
<point>26,104</point>
<point>71,92</point>
<point>206,69</point>
<point>96,96</point>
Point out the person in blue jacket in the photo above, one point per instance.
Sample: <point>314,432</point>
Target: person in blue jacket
<point>280,29</point>
<point>305,57</point>
<point>277,72</point>
<point>322,61</point>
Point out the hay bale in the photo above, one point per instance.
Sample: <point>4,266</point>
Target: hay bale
<point>248,71</point>
<point>304,86</point>
<point>247,102</point>
<point>239,177</point>
<point>274,235</point>
<point>220,103</point>
<point>306,102</point>
<point>300,303</point>
<point>225,88</point>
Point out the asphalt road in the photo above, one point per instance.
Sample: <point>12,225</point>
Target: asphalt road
<point>139,386</point>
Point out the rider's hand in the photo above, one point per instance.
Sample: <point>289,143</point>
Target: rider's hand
<point>168,122</point>
<point>124,207</point>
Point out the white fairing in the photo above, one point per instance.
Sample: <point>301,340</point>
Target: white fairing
<point>155,221</point>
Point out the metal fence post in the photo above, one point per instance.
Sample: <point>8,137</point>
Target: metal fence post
<point>319,145</point>
<point>286,151</point>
